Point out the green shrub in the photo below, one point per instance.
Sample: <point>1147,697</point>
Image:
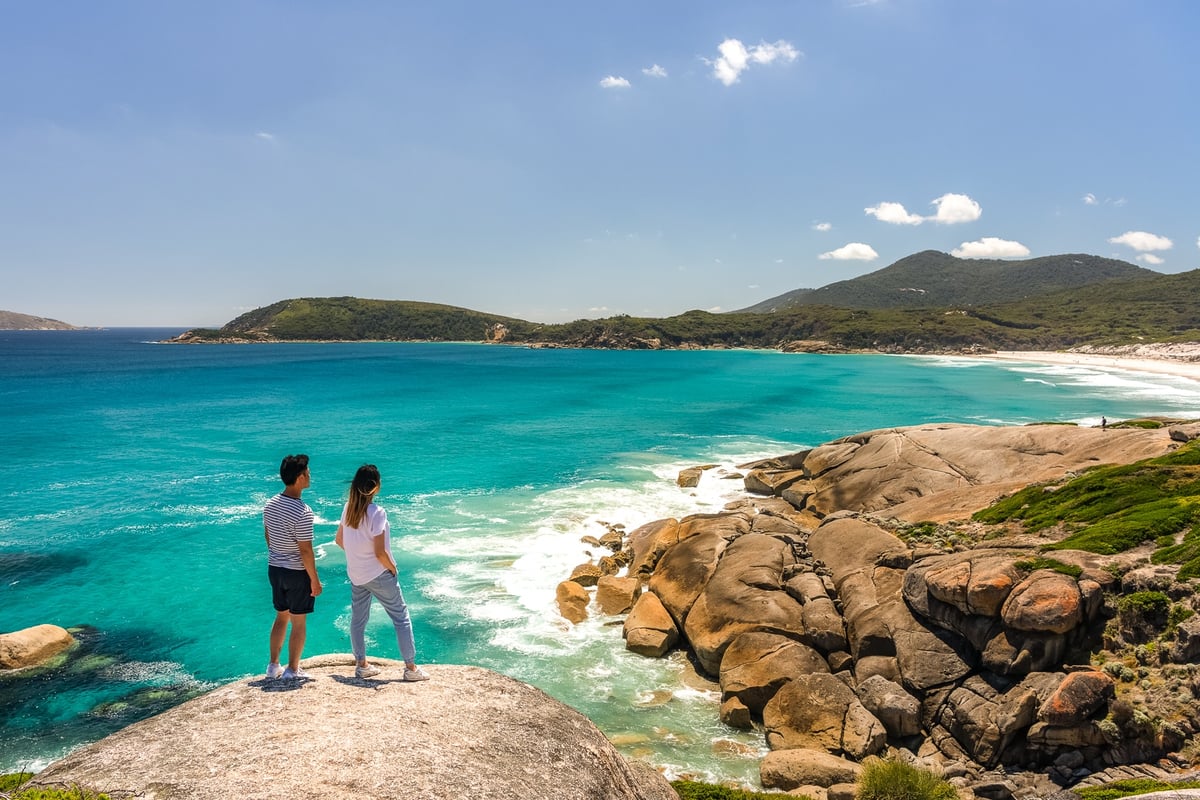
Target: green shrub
<point>13,780</point>
<point>1178,614</point>
<point>1041,562</point>
<point>10,787</point>
<point>1147,604</point>
<point>694,790</point>
<point>895,780</point>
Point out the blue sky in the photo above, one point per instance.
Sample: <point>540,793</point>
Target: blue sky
<point>178,163</point>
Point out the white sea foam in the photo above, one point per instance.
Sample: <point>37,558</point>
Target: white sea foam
<point>508,562</point>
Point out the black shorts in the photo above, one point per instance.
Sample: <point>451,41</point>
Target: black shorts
<point>291,590</point>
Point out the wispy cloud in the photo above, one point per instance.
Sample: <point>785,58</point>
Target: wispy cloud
<point>990,247</point>
<point>614,82</point>
<point>1090,199</point>
<point>823,227</point>
<point>1143,242</point>
<point>654,71</point>
<point>735,58</point>
<point>855,251</point>
<point>894,213</point>
<point>266,137</point>
<point>1149,258</point>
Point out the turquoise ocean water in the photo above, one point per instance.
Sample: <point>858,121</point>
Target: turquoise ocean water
<point>132,477</point>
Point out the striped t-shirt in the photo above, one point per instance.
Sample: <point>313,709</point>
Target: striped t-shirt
<point>288,520</point>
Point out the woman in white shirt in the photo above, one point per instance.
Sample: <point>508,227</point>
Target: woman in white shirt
<point>366,536</point>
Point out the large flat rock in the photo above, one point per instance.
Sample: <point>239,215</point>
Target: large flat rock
<point>467,732</point>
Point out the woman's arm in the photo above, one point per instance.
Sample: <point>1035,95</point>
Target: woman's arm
<point>338,537</point>
<point>382,554</point>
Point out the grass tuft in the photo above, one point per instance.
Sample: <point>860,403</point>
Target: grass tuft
<point>895,780</point>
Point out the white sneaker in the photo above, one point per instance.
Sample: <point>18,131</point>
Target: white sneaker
<point>289,675</point>
<point>274,670</point>
<point>417,674</point>
<point>368,671</point>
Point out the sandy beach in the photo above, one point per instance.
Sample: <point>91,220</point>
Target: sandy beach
<point>1163,365</point>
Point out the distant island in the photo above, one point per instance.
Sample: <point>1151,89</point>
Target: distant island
<point>12,321</point>
<point>929,302</point>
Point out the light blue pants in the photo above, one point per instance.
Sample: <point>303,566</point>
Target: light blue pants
<point>386,589</point>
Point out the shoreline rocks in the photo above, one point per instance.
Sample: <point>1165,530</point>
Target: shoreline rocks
<point>833,635</point>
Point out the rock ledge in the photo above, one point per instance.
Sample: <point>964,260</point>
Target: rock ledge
<point>467,732</point>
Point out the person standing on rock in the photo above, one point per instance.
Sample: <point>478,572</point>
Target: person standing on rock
<point>291,566</point>
<point>366,536</point>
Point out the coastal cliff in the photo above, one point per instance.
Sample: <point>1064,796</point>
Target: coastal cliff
<point>851,606</point>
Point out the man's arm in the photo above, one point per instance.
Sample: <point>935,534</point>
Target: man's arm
<point>310,566</point>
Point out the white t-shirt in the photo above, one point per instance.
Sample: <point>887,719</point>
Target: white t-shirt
<point>361,564</point>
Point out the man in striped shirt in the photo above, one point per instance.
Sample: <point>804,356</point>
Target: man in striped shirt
<point>291,565</point>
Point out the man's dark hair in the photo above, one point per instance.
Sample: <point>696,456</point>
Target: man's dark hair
<point>292,467</point>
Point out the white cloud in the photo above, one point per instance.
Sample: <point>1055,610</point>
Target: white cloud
<point>613,82</point>
<point>766,53</point>
<point>990,247</point>
<point>1089,199</point>
<point>1149,258</point>
<point>266,137</point>
<point>735,58</point>
<point>955,208</point>
<point>655,71</point>
<point>1142,242</point>
<point>1198,241</point>
<point>894,213</point>
<point>822,227</point>
<point>855,251</point>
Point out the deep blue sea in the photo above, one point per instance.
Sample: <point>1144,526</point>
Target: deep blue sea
<point>133,474</point>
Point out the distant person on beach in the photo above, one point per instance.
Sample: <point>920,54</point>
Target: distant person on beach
<point>366,536</point>
<point>291,566</point>
<point>1103,423</point>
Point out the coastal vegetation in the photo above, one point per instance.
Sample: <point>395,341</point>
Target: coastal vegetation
<point>695,790</point>
<point>1112,509</point>
<point>13,787</point>
<point>1044,308</point>
<point>1132,787</point>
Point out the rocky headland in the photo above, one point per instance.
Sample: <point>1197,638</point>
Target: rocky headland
<point>849,607</point>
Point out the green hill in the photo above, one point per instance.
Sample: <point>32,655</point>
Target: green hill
<point>931,279</point>
<point>1153,308</point>
<point>355,319</point>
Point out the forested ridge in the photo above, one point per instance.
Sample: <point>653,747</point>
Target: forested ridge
<point>1149,307</point>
